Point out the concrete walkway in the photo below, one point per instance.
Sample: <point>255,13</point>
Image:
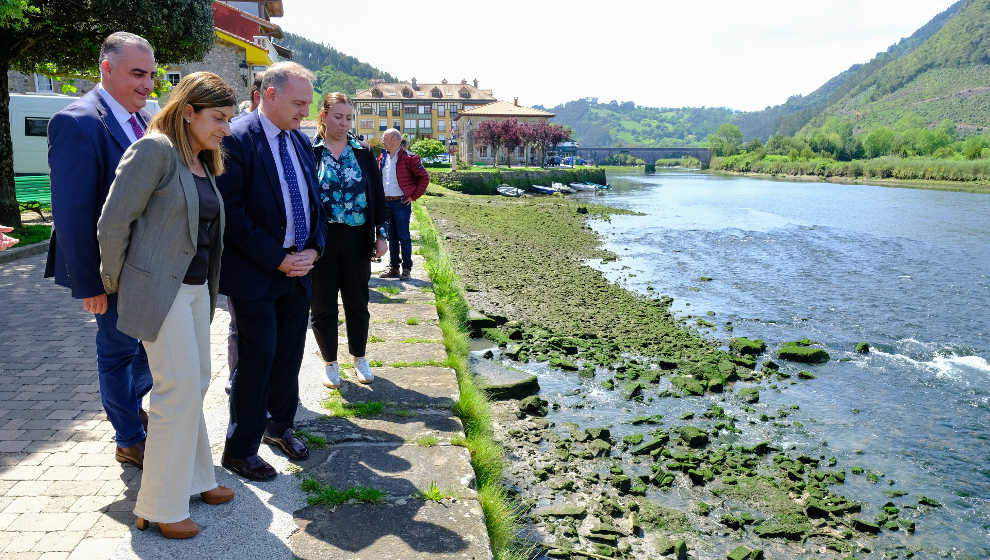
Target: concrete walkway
<point>62,494</point>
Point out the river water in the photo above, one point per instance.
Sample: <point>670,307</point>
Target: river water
<point>907,271</point>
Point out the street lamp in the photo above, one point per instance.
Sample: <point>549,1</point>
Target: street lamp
<point>243,69</point>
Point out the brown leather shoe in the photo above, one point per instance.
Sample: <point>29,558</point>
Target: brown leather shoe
<point>219,495</point>
<point>406,273</point>
<point>292,446</point>
<point>251,468</point>
<point>185,529</point>
<point>390,272</point>
<point>133,455</point>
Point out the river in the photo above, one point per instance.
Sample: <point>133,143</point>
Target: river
<point>906,270</point>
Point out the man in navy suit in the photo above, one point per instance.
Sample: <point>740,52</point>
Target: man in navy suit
<point>85,143</point>
<point>273,236</point>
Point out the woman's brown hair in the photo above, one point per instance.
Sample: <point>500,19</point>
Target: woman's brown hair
<point>200,90</point>
<point>329,100</point>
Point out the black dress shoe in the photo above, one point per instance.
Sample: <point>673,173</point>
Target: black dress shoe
<point>252,468</point>
<point>292,446</point>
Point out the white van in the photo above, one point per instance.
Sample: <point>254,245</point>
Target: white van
<point>29,116</point>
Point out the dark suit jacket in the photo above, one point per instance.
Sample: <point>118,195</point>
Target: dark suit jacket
<point>375,193</point>
<point>255,211</point>
<point>85,143</point>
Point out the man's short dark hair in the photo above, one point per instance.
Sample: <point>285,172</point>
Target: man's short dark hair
<point>115,42</point>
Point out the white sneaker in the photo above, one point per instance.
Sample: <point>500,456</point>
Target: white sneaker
<point>331,375</point>
<point>363,370</point>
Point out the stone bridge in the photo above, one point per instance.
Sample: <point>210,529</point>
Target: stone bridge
<point>649,155</point>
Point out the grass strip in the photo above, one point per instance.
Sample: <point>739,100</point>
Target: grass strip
<point>340,409</point>
<point>329,496</point>
<point>487,456</point>
<point>389,289</point>
<point>31,233</point>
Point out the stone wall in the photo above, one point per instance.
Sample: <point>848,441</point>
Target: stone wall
<point>24,83</point>
<point>483,182</point>
<point>223,59</point>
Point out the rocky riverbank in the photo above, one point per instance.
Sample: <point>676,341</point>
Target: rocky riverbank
<point>651,440</point>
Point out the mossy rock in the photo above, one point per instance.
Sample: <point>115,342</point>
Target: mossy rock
<point>599,448</point>
<point>562,510</point>
<point>749,395</point>
<point>667,546</point>
<point>863,348</point>
<point>633,439</point>
<point>748,362</point>
<point>700,476</point>
<point>655,419</point>
<point>688,385</point>
<point>806,375</point>
<point>792,531</point>
<point>746,346</point>
<point>694,437</point>
<point>632,390</point>
<point>621,481</point>
<point>656,443</point>
<point>743,553</point>
<point>796,352</point>
<point>599,433</point>
<point>563,364</point>
<point>865,526</point>
<point>533,406</point>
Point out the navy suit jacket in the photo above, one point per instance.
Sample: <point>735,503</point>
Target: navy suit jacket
<point>85,143</point>
<point>255,211</point>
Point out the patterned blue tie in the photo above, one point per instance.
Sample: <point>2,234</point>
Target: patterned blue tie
<point>298,213</point>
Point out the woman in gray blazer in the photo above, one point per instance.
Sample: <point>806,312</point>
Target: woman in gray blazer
<point>161,235</point>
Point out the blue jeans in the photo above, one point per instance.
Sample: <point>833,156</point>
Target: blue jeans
<point>398,233</point>
<point>124,376</point>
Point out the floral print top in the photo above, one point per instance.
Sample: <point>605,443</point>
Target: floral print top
<point>343,187</point>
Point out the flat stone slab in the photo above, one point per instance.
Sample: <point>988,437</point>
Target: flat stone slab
<point>387,428</point>
<point>415,295</point>
<point>434,387</point>
<point>501,382</point>
<point>397,331</point>
<point>400,312</point>
<point>414,530</point>
<point>398,352</point>
<point>400,471</point>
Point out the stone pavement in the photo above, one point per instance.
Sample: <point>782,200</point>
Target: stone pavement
<point>62,494</point>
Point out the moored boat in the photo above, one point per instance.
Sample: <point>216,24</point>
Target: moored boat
<point>507,190</point>
<point>541,189</point>
<point>582,187</point>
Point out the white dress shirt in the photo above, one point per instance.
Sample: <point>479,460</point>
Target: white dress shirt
<point>389,180</point>
<point>271,133</point>
<point>120,113</point>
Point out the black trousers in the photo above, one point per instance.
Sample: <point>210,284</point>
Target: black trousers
<point>270,342</point>
<point>344,268</point>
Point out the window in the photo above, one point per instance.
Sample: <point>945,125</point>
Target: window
<point>410,124</point>
<point>425,123</point>
<point>441,111</point>
<point>410,109</point>
<point>173,77</point>
<point>483,151</point>
<point>383,109</point>
<point>43,84</point>
<point>35,126</point>
<point>396,124</point>
<point>424,109</point>
<point>443,137</point>
<point>383,123</point>
<point>393,94</point>
<point>367,123</point>
<point>366,109</point>
<point>441,125</point>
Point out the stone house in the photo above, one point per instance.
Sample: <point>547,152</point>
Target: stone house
<point>468,121</point>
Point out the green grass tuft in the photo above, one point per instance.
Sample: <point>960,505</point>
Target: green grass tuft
<point>389,289</point>
<point>311,440</point>
<point>412,321</point>
<point>373,339</point>
<point>434,493</point>
<point>420,363</point>
<point>421,341</point>
<point>427,441</point>
<point>341,409</point>
<point>31,233</point>
<point>329,496</point>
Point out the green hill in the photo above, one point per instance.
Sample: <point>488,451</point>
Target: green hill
<point>627,124</point>
<point>947,76</point>
<point>799,110</point>
<point>335,71</point>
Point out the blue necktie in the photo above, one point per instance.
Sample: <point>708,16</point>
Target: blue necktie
<point>298,213</point>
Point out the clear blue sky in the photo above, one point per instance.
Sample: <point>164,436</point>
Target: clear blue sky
<point>743,55</point>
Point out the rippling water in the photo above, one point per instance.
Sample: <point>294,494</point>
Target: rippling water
<point>906,270</point>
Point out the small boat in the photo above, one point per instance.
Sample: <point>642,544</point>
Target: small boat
<point>562,188</point>
<point>601,187</point>
<point>506,190</point>
<point>540,189</point>
<point>582,187</point>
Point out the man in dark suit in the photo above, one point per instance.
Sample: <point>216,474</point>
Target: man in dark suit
<point>85,143</point>
<point>274,235</point>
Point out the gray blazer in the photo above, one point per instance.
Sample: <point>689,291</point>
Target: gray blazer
<point>147,234</point>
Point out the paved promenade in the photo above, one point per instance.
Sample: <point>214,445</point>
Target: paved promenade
<point>62,494</point>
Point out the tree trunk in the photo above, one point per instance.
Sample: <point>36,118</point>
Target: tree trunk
<point>10,214</point>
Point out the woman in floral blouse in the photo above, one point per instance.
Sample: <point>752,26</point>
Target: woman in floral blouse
<point>354,206</point>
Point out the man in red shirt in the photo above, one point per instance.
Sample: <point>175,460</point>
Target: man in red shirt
<point>405,179</point>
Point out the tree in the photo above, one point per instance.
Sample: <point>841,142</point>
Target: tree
<point>726,140</point>
<point>489,135</point>
<point>511,135</point>
<point>427,148</point>
<point>879,142</point>
<point>61,38</point>
<point>545,137</point>
<point>330,79</point>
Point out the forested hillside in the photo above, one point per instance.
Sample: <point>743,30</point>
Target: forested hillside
<point>335,71</point>
<point>799,110</point>
<point>626,124</point>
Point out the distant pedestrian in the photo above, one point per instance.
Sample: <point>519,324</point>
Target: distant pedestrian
<point>354,208</point>
<point>85,142</point>
<point>404,179</point>
<point>167,283</point>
